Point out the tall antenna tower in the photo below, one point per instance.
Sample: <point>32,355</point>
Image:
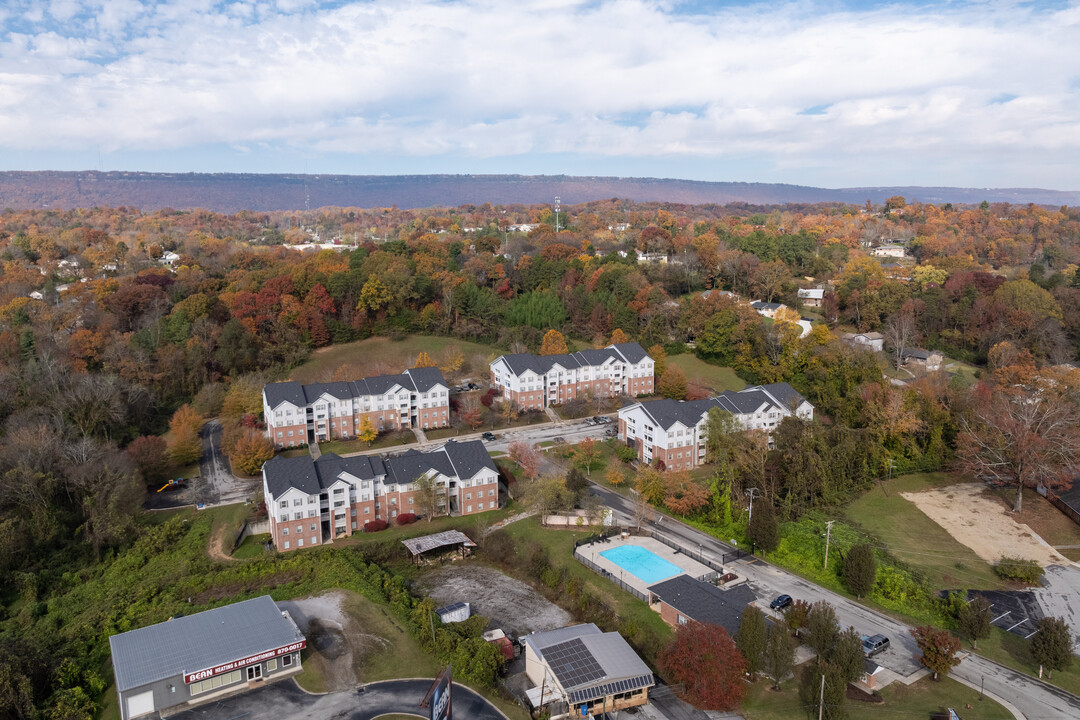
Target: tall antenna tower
<point>556,214</point>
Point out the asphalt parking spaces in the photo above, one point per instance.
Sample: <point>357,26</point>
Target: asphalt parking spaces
<point>1014,611</point>
<point>286,701</point>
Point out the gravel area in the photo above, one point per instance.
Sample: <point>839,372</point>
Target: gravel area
<point>507,603</point>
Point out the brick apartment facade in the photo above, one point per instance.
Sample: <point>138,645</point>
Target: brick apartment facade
<point>311,502</point>
<point>298,414</point>
<point>535,382</point>
<point>673,432</point>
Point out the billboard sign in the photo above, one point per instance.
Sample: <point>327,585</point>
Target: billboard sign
<point>440,698</point>
<point>236,664</point>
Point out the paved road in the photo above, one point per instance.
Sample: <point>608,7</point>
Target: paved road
<point>285,701</point>
<point>1037,701</point>
<point>1060,596</point>
<point>216,484</point>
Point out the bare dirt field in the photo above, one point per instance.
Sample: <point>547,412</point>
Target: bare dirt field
<point>982,524</point>
<point>333,636</point>
<point>508,603</point>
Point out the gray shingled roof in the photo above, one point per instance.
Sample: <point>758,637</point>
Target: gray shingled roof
<point>541,364</point>
<point>414,380</point>
<point>666,413</point>
<point>761,305</point>
<point>469,457</point>
<point>200,641</point>
<point>788,397</point>
<point>705,602</point>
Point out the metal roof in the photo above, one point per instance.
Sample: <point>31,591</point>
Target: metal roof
<point>200,641</point>
<point>589,664</point>
<point>425,543</point>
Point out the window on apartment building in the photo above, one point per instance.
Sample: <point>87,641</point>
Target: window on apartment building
<point>300,542</point>
<point>286,545</point>
<point>468,496</point>
<point>468,508</point>
<point>491,493</point>
<point>312,528</point>
<point>339,491</point>
<point>491,504</point>
<point>284,531</point>
<point>285,518</point>
<point>284,504</point>
<point>298,516</point>
<point>367,511</point>
<point>290,433</point>
<point>298,501</point>
<point>279,433</point>
<point>410,501</point>
<point>314,540</point>
<point>311,513</point>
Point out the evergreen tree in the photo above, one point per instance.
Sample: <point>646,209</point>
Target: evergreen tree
<point>763,530</point>
<point>974,620</point>
<point>821,630</point>
<point>779,658</point>
<point>751,639</point>
<point>1052,645</point>
<point>860,570</point>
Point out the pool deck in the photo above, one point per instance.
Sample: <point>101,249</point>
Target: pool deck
<point>689,566</point>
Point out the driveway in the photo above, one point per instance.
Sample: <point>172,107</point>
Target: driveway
<point>1036,700</point>
<point>1060,596</point>
<point>285,701</point>
<point>216,484</point>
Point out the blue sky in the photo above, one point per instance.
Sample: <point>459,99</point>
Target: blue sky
<point>833,94</point>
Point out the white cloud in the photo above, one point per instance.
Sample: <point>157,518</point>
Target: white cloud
<point>630,79</point>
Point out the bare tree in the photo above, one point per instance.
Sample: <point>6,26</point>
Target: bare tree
<point>427,494</point>
<point>900,332</point>
<point>1021,436</point>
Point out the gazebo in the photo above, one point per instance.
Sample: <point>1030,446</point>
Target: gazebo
<point>454,539</point>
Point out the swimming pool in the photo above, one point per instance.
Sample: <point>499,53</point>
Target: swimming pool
<point>641,563</point>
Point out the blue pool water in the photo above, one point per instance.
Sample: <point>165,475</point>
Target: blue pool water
<point>641,563</point>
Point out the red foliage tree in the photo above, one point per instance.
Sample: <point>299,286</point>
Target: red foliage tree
<point>524,455</point>
<point>705,660</point>
<point>374,526</point>
<point>149,453</point>
<point>405,518</point>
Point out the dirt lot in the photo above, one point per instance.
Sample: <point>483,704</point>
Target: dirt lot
<point>982,524</point>
<point>507,603</point>
<point>336,640</point>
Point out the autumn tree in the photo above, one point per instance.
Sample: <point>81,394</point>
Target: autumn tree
<point>683,495</point>
<point>243,397</point>
<point>587,455</point>
<point>901,332</point>
<point>1052,645</point>
<point>251,451</point>
<point>860,570</point>
<point>546,495</point>
<point>424,360</point>
<point>660,359</point>
<point>795,616</point>
<point>704,660</point>
<point>618,337</point>
<point>149,454</point>
<point>367,432</point>
<point>452,359</point>
<point>764,530</point>
<point>508,410</point>
<point>185,445</point>
<point>427,494</point>
<point>974,620</point>
<point>939,649</point>
<point>553,343</point>
<point>614,477</point>
<point>751,639</point>
<point>650,484</point>
<point>1020,436</point>
<point>672,383</point>
<point>526,456</point>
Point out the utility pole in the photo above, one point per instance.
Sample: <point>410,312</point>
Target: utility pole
<point>828,536</point>
<point>751,492</point>
<point>821,704</point>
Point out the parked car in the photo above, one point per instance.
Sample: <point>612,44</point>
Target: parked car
<point>590,421</point>
<point>874,644</point>
<point>781,602</point>
<point>611,432</point>
<point>602,419</point>
<point>488,436</point>
<point>559,440</point>
<point>472,386</point>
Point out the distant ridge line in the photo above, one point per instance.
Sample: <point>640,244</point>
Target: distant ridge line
<point>233,192</point>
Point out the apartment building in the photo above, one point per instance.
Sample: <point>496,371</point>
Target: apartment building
<point>311,502</point>
<point>298,414</point>
<point>537,381</point>
<point>673,432</point>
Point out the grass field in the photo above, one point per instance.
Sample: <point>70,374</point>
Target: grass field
<point>915,539</point>
<point>717,377</point>
<point>391,439</point>
<point>920,700</point>
<point>398,354</point>
<point>253,546</point>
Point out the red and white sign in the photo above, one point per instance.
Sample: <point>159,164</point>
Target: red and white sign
<point>236,664</point>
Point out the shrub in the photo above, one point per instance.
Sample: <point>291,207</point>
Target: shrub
<point>1025,571</point>
<point>374,526</point>
<point>406,518</point>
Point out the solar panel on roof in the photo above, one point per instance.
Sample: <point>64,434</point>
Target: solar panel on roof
<point>573,664</point>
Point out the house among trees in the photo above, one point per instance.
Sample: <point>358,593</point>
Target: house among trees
<point>673,432</point>
<point>893,251</point>
<point>767,309</point>
<point>872,340</point>
<point>927,360</point>
<point>534,382</point>
<point>298,414</point>
<point>311,502</point>
<point>812,297</point>
<point>581,671</point>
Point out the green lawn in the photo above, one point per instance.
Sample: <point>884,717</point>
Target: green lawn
<point>919,700</point>
<point>251,547</point>
<point>391,439</point>
<point>295,452</point>
<point>399,354</point>
<point>717,377</point>
<point>915,539</point>
<point>1015,652</point>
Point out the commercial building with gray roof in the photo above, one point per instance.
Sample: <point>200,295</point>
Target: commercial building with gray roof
<point>311,502</point>
<point>194,659</point>
<point>584,671</point>
<point>299,414</point>
<point>539,381</point>
<point>672,432</point>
